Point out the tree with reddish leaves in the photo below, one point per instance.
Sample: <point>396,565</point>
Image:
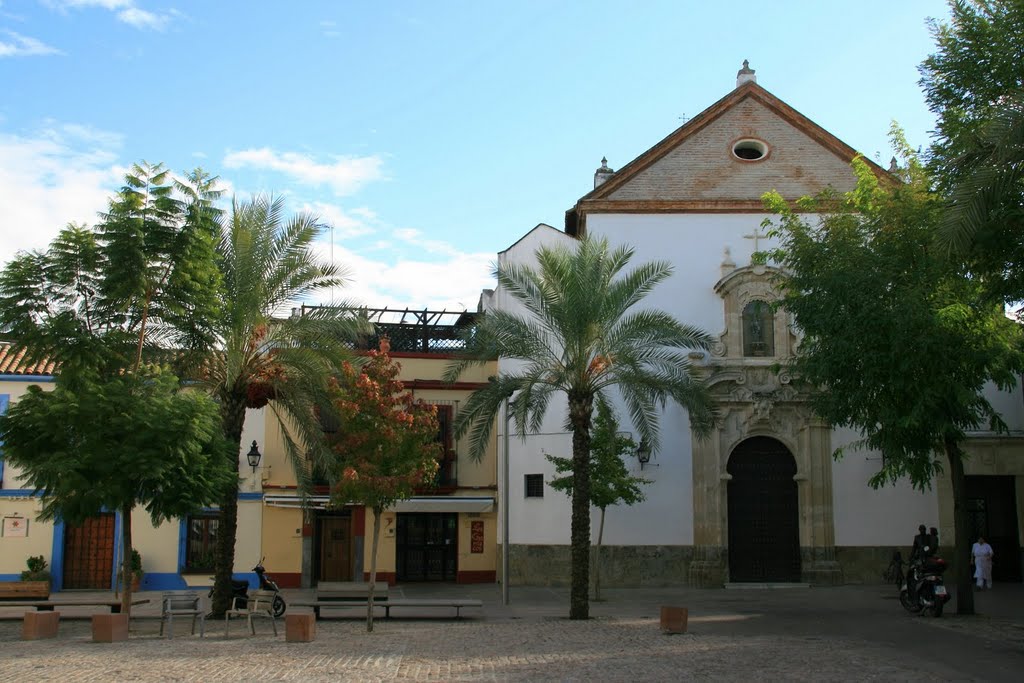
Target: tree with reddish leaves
<point>385,447</point>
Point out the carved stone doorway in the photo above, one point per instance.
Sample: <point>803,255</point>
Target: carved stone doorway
<point>764,526</point>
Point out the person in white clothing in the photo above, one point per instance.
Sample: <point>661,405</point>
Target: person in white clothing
<point>981,560</point>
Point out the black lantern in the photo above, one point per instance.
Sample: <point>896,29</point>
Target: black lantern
<point>643,453</point>
<point>253,456</point>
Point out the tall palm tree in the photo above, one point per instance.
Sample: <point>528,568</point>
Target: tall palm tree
<point>583,338</point>
<point>264,357</point>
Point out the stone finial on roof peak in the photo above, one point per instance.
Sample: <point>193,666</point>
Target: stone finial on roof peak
<point>745,74</point>
<point>604,173</point>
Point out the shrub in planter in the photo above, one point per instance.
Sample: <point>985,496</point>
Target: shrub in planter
<point>37,570</point>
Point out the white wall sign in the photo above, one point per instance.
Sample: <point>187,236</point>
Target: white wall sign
<point>15,527</point>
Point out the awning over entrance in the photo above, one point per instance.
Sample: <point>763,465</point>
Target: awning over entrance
<point>415,504</point>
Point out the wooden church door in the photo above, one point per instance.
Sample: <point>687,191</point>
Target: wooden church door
<point>764,531</point>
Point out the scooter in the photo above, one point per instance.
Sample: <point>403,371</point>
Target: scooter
<point>923,588</point>
<point>268,584</point>
<point>240,589</point>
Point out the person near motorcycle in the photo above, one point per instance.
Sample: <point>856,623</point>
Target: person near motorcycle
<point>921,550</point>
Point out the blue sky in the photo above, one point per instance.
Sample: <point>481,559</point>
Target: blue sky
<point>431,135</point>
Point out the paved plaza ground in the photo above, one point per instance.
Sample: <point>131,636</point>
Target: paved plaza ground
<point>811,634</point>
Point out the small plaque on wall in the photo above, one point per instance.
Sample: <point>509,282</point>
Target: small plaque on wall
<point>476,536</point>
<point>15,527</point>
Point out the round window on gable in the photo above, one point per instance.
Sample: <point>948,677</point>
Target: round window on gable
<point>750,150</point>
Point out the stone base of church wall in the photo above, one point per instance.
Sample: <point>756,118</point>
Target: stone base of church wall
<point>703,567</point>
<point>622,566</point>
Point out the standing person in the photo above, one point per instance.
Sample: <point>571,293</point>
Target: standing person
<point>934,543</point>
<point>921,542</point>
<point>981,559</point>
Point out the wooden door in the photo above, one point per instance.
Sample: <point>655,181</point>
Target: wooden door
<point>764,532</point>
<point>89,553</point>
<point>335,533</point>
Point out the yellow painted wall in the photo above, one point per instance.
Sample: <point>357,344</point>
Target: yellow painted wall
<point>386,544</point>
<point>282,539</point>
<point>488,559</point>
<point>157,546</point>
<point>14,551</point>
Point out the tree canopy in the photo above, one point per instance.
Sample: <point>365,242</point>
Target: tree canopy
<point>900,342</point>
<point>385,447</point>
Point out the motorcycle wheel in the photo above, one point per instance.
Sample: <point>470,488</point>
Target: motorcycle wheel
<point>935,610</point>
<point>910,605</point>
<point>279,606</point>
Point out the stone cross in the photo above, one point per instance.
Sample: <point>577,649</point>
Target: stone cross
<point>755,236</point>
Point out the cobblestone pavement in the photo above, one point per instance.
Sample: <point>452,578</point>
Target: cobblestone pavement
<point>849,633</point>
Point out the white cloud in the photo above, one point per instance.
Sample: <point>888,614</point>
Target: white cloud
<point>452,284</point>
<point>126,11</point>
<point>345,176</point>
<point>354,223</point>
<point>17,45</point>
<point>61,174</point>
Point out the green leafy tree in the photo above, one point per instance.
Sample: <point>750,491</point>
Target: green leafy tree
<point>100,301</point>
<point>97,444</point>
<point>610,481</point>
<point>583,336</point>
<point>975,85</point>
<point>385,447</point>
<point>899,341</point>
<point>260,356</point>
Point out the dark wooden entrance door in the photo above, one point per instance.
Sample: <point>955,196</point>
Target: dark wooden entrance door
<point>427,547</point>
<point>335,548</point>
<point>764,531</point>
<point>89,553</point>
<point>992,511</point>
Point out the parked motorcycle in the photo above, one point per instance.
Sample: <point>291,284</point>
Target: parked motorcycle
<point>923,589</point>
<point>268,584</point>
<point>240,589</point>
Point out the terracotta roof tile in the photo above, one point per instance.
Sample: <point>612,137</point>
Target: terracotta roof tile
<point>12,362</point>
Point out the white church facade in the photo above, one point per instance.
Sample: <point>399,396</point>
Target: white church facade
<point>762,499</point>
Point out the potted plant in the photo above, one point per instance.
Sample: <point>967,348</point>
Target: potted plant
<point>39,575</point>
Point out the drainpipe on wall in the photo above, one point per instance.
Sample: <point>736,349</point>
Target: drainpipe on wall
<point>504,515</point>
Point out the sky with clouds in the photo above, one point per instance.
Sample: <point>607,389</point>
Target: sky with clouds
<point>429,135</point>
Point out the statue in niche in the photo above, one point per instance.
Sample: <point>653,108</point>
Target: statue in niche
<point>758,330</point>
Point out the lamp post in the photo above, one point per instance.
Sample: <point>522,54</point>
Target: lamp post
<point>253,456</point>
<point>504,513</point>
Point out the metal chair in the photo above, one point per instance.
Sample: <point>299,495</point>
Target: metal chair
<point>182,605</point>
<point>258,604</point>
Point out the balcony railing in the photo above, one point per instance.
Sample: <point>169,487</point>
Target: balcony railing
<point>412,331</point>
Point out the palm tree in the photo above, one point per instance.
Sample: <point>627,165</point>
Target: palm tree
<point>583,338</point>
<point>260,358</point>
<point>986,201</point>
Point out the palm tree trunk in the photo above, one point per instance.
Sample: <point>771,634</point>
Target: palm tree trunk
<point>377,512</point>
<point>962,546</point>
<point>597,558</point>
<point>126,560</point>
<point>580,409</point>
<point>232,410</point>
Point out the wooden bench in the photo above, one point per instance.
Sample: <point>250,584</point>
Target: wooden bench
<point>24,590</point>
<point>345,594</point>
<point>48,605</point>
<point>457,603</point>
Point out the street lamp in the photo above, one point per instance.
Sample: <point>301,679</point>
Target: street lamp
<point>643,453</point>
<point>253,456</point>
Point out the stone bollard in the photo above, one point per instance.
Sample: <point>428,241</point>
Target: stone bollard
<point>39,625</point>
<point>673,619</point>
<point>109,628</point>
<point>299,628</point>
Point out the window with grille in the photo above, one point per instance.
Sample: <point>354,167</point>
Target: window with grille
<point>534,485</point>
<point>201,542</point>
